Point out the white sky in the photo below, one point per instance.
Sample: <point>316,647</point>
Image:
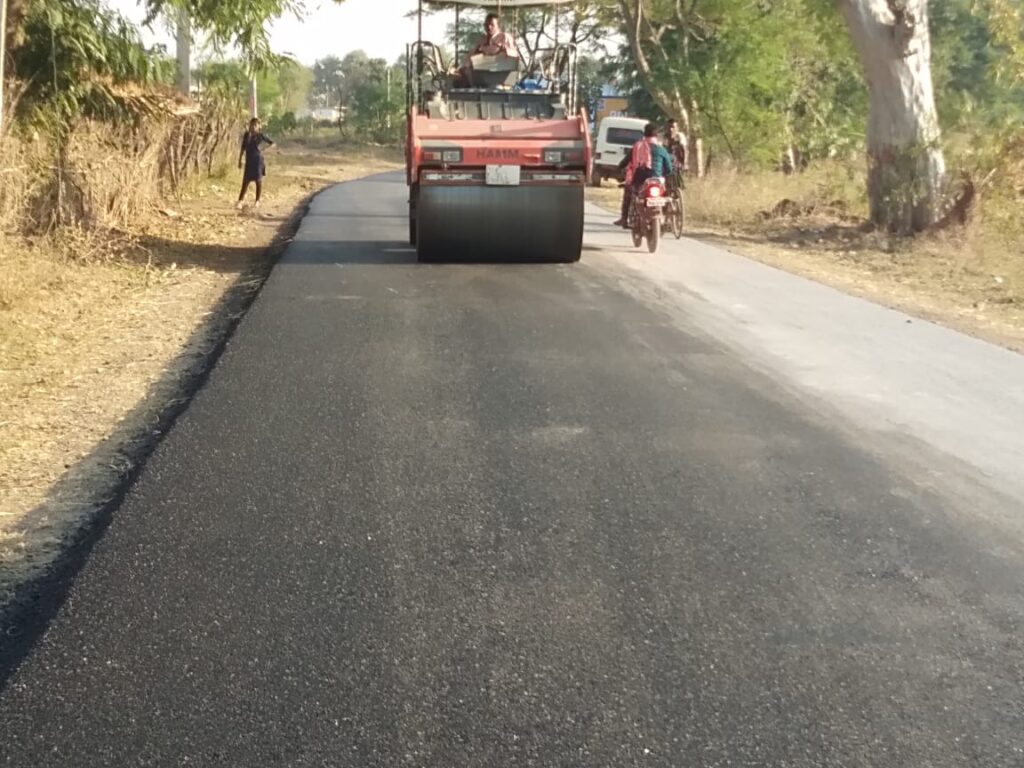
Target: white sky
<point>379,27</point>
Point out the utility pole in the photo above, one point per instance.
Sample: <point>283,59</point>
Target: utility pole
<point>3,55</point>
<point>253,105</point>
<point>184,44</point>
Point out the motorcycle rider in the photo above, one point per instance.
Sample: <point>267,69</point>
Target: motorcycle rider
<point>647,159</point>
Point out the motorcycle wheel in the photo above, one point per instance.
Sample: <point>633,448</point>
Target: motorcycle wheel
<point>654,236</point>
<point>636,225</point>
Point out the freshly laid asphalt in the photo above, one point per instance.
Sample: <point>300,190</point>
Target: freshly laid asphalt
<point>497,515</point>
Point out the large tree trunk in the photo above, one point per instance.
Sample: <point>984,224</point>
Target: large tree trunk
<point>905,164</point>
<point>695,136</point>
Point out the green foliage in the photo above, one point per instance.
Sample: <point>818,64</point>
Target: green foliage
<point>296,82</point>
<point>226,81</point>
<point>268,94</point>
<point>592,74</point>
<point>282,124</point>
<point>973,65</point>
<point>370,92</point>
<point>375,108</point>
<point>280,89</point>
<point>328,76</point>
<point>753,77</point>
<point>239,23</point>
<point>80,59</point>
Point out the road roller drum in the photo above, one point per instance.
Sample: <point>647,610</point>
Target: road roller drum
<point>501,224</point>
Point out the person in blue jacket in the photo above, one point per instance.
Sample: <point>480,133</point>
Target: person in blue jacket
<point>647,159</point>
<point>255,168</point>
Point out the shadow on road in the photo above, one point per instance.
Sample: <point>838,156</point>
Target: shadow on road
<point>36,602</point>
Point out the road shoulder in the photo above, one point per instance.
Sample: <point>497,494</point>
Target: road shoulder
<point>104,347</point>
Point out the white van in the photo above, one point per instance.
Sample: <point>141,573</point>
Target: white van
<point>615,138</point>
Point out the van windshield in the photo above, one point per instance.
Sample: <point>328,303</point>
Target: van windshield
<point>624,136</point>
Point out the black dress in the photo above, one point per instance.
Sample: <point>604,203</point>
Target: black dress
<point>255,168</point>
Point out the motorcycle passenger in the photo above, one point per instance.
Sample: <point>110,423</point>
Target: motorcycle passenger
<point>647,159</point>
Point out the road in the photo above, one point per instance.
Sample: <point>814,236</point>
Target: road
<point>672,510</point>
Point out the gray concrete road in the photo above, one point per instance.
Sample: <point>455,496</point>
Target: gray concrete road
<point>679,510</point>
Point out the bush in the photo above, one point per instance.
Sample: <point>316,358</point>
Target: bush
<point>104,173</point>
<point>282,124</point>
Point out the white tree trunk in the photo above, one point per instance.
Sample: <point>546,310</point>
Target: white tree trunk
<point>906,169</point>
<point>3,55</point>
<point>697,160</point>
<point>184,52</point>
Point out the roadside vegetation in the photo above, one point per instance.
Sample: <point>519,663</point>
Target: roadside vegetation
<point>789,158</point>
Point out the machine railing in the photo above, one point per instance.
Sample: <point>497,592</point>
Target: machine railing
<point>426,72</point>
<point>566,60</point>
<point>422,58</point>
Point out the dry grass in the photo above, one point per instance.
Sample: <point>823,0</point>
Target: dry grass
<point>99,330</point>
<point>103,175</point>
<point>970,278</point>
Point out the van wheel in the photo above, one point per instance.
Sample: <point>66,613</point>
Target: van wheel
<point>595,179</point>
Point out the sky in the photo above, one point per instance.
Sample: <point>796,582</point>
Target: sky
<point>378,27</point>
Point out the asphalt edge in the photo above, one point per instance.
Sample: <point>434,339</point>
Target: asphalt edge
<point>27,614</point>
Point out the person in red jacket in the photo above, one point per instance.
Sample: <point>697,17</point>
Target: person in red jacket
<point>647,159</point>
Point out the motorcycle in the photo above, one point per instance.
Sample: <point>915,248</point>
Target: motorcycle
<point>646,216</point>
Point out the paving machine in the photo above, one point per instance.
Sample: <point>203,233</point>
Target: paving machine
<point>497,152</point>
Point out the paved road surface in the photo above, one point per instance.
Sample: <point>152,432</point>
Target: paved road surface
<point>676,511</point>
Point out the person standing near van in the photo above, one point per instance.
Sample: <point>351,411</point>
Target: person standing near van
<point>675,143</point>
<point>255,168</point>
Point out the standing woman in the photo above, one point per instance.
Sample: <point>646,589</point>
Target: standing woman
<point>255,168</point>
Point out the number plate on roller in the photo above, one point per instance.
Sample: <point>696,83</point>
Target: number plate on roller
<point>502,175</point>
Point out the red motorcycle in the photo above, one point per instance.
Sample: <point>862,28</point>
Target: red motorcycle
<point>646,213</point>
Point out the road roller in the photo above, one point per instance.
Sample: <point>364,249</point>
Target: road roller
<point>498,149</point>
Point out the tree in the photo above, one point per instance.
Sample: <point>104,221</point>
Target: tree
<point>239,23</point>
<point>592,75</point>
<point>377,104</point>
<point>227,81</point>
<point>80,57</point>
<point>1007,28</point>
<point>659,35</point>
<point>748,69</point>
<point>906,168</point>
<point>296,82</point>
<point>283,88</point>
<point>328,77</point>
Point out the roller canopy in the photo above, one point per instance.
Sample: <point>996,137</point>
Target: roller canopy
<point>503,3</point>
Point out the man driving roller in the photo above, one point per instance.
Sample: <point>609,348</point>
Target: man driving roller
<point>493,43</point>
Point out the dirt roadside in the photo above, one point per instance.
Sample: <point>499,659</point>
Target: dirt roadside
<point>103,337</point>
<point>976,288</point>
